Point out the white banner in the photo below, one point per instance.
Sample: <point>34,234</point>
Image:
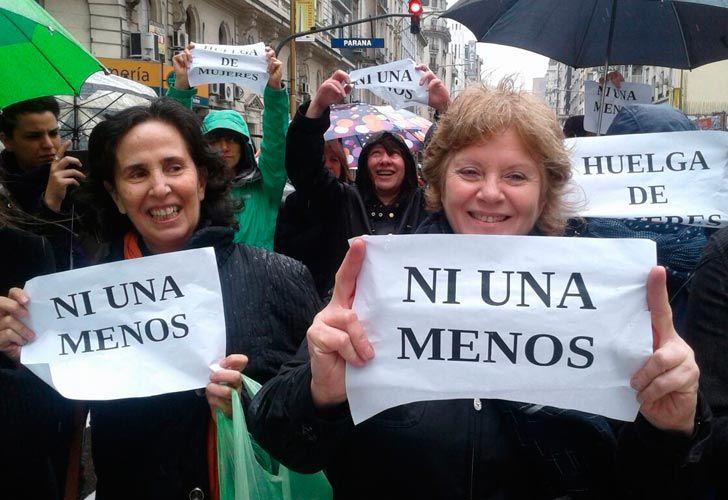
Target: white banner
<point>551,321</point>
<point>614,100</point>
<point>674,177</point>
<point>244,65</point>
<point>132,328</point>
<point>397,82</point>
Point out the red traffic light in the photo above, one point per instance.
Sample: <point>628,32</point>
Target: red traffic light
<point>415,7</point>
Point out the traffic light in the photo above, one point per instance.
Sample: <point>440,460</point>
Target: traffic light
<point>415,11</point>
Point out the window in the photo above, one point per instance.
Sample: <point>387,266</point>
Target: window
<point>192,24</point>
<point>223,34</point>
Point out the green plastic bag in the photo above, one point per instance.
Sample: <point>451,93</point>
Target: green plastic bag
<point>248,472</point>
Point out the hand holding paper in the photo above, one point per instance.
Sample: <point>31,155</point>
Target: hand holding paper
<point>243,65</point>
<point>336,336</point>
<point>13,333</point>
<point>439,96</point>
<point>275,69</point>
<point>668,382</point>
<point>223,382</point>
<point>333,90</point>
<point>182,62</point>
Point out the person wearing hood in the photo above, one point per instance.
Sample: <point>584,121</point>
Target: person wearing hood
<point>385,198</point>
<point>256,185</point>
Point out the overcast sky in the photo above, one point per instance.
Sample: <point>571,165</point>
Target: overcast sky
<point>500,60</point>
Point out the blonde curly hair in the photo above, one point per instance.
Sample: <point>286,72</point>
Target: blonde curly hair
<point>479,113</point>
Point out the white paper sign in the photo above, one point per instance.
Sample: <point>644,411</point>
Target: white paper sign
<point>244,65</point>
<point>675,177</point>
<point>551,321</point>
<point>616,98</point>
<point>132,328</point>
<point>397,82</point>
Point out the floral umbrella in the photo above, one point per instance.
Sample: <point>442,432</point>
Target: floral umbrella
<point>39,57</point>
<point>354,124</point>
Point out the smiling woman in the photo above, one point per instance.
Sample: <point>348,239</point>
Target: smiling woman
<point>157,187</point>
<point>496,165</point>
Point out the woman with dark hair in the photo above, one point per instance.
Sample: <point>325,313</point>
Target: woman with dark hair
<point>158,188</point>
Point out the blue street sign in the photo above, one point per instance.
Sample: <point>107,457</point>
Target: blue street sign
<point>357,43</point>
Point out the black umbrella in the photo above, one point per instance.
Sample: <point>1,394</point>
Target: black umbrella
<point>680,34</point>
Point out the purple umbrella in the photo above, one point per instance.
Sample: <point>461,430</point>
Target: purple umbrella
<point>354,124</point>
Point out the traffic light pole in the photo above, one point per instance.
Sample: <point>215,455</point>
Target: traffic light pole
<point>333,26</point>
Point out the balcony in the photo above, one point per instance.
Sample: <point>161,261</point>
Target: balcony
<point>345,5</point>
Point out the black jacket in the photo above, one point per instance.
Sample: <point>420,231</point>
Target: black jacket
<point>472,449</point>
<point>155,448</point>
<point>22,190</point>
<point>337,211</point>
<point>314,235</point>
<point>35,420</point>
<point>705,331</point>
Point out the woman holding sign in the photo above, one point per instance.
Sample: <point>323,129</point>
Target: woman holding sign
<point>496,165</point>
<point>158,188</point>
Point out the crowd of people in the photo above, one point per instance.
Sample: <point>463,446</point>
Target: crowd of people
<point>159,180</point>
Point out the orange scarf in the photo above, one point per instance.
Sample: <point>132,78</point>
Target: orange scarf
<point>132,250</point>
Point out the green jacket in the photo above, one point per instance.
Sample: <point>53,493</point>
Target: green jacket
<point>261,198</point>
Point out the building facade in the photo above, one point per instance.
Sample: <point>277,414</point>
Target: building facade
<point>699,93</point>
<point>137,39</point>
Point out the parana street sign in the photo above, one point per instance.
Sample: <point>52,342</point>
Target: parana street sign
<point>357,43</point>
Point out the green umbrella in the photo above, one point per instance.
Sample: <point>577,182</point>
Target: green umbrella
<point>38,57</point>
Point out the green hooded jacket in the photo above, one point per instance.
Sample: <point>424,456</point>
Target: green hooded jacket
<point>260,194</point>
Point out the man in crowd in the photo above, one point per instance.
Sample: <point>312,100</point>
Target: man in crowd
<point>35,174</point>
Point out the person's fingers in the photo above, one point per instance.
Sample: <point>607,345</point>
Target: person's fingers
<point>428,78</point>
<point>346,320</point>
<point>359,340</point>
<point>19,295</point>
<point>662,361</point>
<point>15,303</point>
<point>69,177</point>
<point>219,396</point>
<point>658,303</point>
<point>345,284</point>
<point>229,378</point>
<point>682,378</point>
<point>10,348</point>
<point>16,329</point>
<point>62,150</point>
<point>324,339</point>
<point>68,166</point>
<point>236,362</point>
<point>340,76</point>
